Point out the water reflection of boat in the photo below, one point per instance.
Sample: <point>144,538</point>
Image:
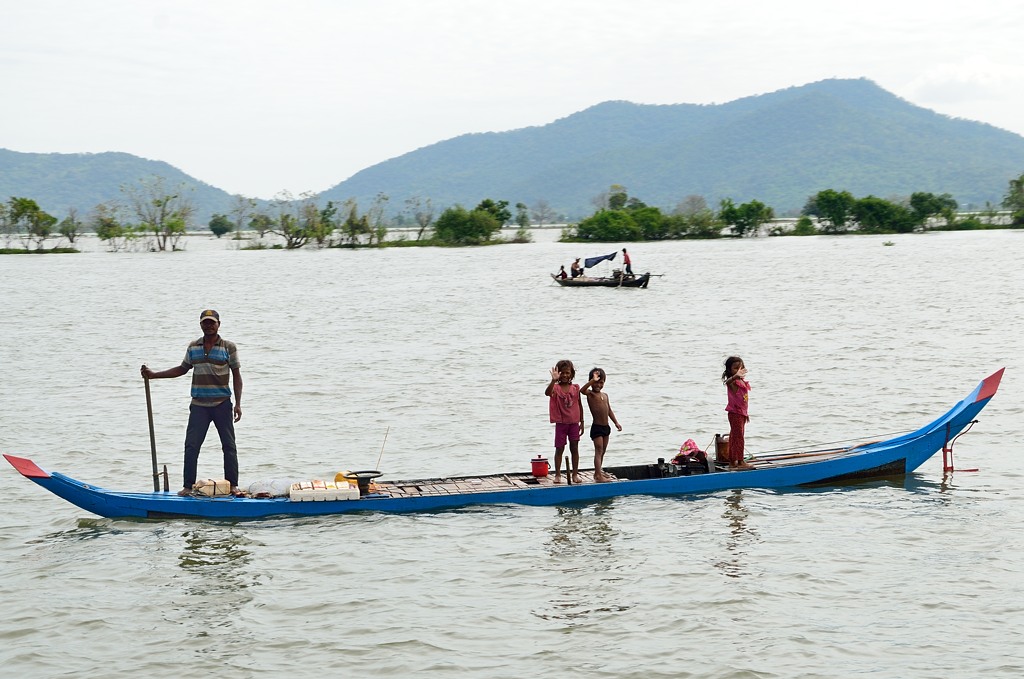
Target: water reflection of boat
<point>896,456</point>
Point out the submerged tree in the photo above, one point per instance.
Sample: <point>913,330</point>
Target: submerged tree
<point>295,220</point>
<point>422,211</point>
<point>878,215</point>
<point>745,219</point>
<point>617,197</point>
<point>375,218</point>
<point>609,226</point>
<point>241,208</point>
<point>262,224</point>
<point>459,226</point>
<point>926,205</point>
<point>1014,200</point>
<point>220,225</point>
<point>25,217</point>
<point>355,224</point>
<point>832,208</point>
<point>542,213</point>
<point>522,216</point>
<point>497,209</point>
<point>105,221</point>
<point>162,212</point>
<point>71,226</point>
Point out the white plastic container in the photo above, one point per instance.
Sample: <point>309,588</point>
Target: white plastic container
<point>322,491</point>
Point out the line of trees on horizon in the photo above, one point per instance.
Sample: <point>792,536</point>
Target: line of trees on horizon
<point>154,217</point>
<point>620,217</point>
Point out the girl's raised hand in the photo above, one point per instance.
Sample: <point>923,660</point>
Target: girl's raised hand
<point>555,374</point>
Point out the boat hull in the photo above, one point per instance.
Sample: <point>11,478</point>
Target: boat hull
<point>900,455</point>
<point>624,281</point>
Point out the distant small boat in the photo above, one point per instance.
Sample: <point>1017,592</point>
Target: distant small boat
<point>892,457</point>
<point>616,280</point>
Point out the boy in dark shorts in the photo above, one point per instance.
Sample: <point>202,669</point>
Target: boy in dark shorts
<point>601,412</point>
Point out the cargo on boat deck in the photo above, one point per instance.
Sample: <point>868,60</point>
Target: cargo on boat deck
<point>322,491</point>
<point>721,449</point>
<point>661,470</point>
<point>212,487</point>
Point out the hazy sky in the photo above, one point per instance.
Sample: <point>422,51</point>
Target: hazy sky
<point>256,97</point>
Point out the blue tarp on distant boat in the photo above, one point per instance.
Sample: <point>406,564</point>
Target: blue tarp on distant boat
<point>593,261</point>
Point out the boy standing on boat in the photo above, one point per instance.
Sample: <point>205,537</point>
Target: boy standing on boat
<point>601,412</point>
<point>566,412</point>
<point>213,360</point>
<point>627,263</point>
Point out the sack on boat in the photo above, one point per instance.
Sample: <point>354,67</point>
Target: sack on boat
<point>691,458</point>
<point>270,488</point>
<point>212,487</point>
<point>689,448</point>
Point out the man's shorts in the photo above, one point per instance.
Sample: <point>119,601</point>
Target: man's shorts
<point>599,430</point>
<point>565,431</point>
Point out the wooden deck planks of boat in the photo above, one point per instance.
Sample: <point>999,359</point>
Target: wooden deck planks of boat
<point>446,486</point>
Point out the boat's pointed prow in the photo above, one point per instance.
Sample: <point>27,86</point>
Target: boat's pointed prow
<point>987,389</point>
<point>27,467</point>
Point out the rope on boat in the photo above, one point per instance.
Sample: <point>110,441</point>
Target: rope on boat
<point>875,438</point>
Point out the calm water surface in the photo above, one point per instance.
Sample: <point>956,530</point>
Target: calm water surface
<point>448,351</point>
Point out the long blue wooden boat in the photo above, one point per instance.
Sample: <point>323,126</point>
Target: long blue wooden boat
<point>896,456</point>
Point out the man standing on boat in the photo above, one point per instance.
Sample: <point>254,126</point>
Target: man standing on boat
<point>213,359</point>
<point>627,263</point>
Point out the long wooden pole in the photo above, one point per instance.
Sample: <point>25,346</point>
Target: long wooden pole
<point>152,437</point>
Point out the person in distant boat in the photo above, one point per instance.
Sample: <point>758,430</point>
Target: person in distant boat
<point>561,272</point>
<point>576,269</point>
<point>738,390</point>
<point>213,359</point>
<point>600,413</point>
<point>627,263</point>
<point>566,412</point>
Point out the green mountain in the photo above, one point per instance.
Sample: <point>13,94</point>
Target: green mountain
<point>59,181</point>
<point>778,148</point>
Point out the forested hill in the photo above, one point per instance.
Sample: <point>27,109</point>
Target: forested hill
<point>59,181</point>
<point>778,148</point>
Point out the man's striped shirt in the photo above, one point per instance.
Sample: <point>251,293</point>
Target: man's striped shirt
<point>211,372</point>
